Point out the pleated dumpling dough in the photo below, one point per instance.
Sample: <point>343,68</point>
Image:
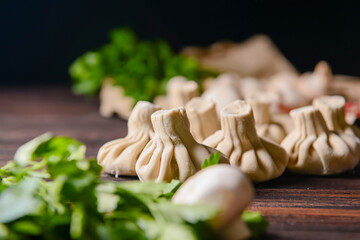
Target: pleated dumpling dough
<point>259,158</point>
<point>314,149</point>
<point>172,153</point>
<point>203,118</point>
<point>265,126</point>
<point>332,109</point>
<point>119,156</point>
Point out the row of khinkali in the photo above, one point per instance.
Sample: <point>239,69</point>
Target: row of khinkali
<point>287,88</point>
<point>164,148</point>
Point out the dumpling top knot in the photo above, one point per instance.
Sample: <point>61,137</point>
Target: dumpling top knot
<point>203,118</point>
<point>332,109</point>
<point>140,117</point>
<point>265,126</point>
<point>309,121</point>
<point>180,91</point>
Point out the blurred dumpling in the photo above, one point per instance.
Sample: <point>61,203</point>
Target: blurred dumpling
<point>250,86</point>
<point>172,153</point>
<point>265,126</point>
<point>119,156</point>
<point>314,149</point>
<point>224,187</point>
<point>284,85</point>
<point>202,116</point>
<point>259,158</point>
<point>223,91</point>
<point>317,83</point>
<point>332,109</point>
<point>179,91</point>
<point>113,100</point>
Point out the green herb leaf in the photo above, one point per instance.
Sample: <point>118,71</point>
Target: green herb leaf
<point>18,200</point>
<point>142,68</point>
<point>255,222</point>
<point>213,160</point>
<point>57,194</point>
<point>24,154</point>
<point>58,149</point>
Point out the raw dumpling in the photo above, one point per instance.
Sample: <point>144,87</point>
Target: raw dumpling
<point>180,90</point>
<point>119,156</point>
<point>332,109</point>
<point>224,187</point>
<point>223,91</point>
<point>259,158</point>
<point>284,85</point>
<point>265,127</point>
<point>250,86</point>
<point>313,149</point>
<point>202,117</point>
<point>172,153</point>
<point>317,83</point>
<point>113,100</point>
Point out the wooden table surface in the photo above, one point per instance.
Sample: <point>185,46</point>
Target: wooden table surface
<point>298,207</point>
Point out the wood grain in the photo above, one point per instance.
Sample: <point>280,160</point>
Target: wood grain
<point>298,207</point>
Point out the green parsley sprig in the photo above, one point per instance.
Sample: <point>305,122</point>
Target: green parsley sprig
<point>142,68</point>
<point>212,160</point>
<point>50,191</point>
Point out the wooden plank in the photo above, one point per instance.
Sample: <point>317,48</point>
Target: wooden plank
<point>298,207</point>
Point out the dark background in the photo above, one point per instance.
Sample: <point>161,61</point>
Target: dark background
<point>39,39</point>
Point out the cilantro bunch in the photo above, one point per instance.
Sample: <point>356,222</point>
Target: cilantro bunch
<point>142,68</point>
<point>50,191</point>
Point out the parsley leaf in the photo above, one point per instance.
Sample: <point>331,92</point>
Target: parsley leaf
<point>213,160</point>
<point>58,194</point>
<point>142,68</point>
<point>255,222</point>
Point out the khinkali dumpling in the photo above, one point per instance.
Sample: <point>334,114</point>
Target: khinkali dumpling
<point>265,126</point>
<point>119,156</point>
<point>202,116</point>
<point>317,83</point>
<point>223,91</point>
<point>332,109</point>
<point>113,100</point>
<point>314,149</point>
<point>250,86</point>
<point>172,153</point>
<point>284,85</point>
<point>259,158</point>
<point>180,90</point>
